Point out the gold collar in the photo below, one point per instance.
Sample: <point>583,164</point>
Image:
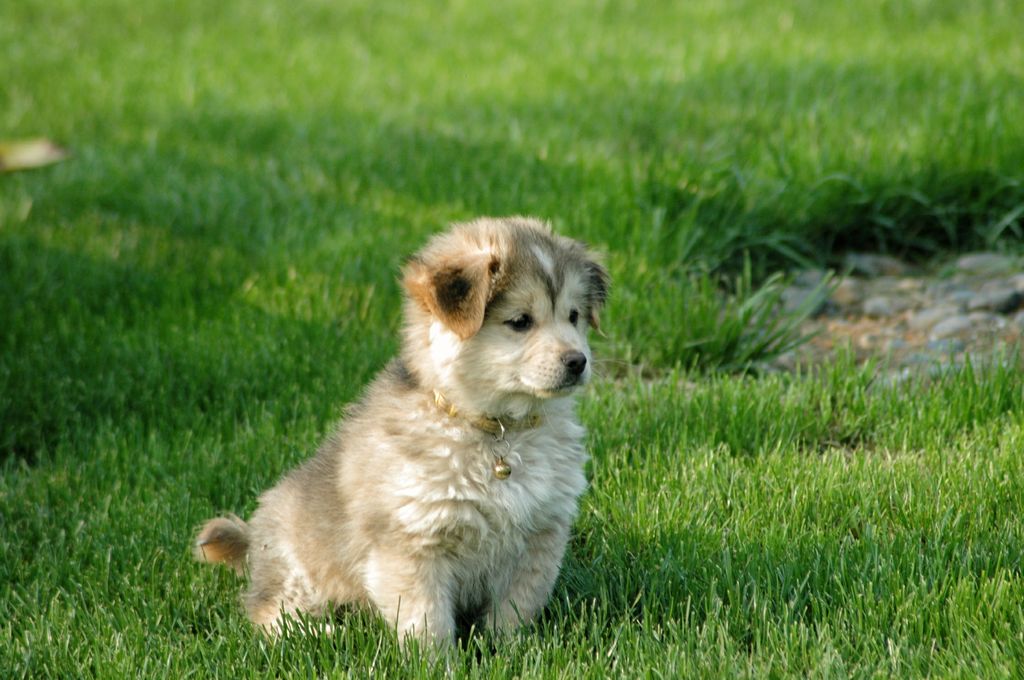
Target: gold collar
<point>489,424</point>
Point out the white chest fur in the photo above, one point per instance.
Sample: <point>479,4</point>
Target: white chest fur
<point>546,478</point>
<point>450,495</point>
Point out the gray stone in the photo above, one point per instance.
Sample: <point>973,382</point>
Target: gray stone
<point>942,287</point>
<point>986,263</point>
<point>884,284</point>
<point>960,298</point>
<point>920,359</point>
<point>796,297</point>
<point>984,319</point>
<point>1003,301</point>
<point>848,292</point>
<point>1018,321</point>
<point>878,306</point>
<point>1017,282</point>
<point>875,265</point>
<point>809,278</point>
<point>785,361</point>
<point>882,306</point>
<point>926,318</point>
<point>999,283</point>
<point>871,341</point>
<point>946,345</point>
<point>909,285</point>
<point>954,325</point>
<point>894,344</point>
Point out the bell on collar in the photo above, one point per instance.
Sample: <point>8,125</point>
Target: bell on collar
<point>502,470</point>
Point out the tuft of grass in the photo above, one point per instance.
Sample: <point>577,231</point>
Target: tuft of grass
<point>730,325</point>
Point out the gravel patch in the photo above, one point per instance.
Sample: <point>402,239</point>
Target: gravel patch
<point>914,320</point>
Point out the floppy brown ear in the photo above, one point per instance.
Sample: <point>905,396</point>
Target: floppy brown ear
<point>454,291</point>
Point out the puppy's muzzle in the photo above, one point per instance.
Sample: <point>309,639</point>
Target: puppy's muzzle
<point>575,364</point>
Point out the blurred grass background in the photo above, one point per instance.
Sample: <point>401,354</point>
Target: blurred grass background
<point>188,301</point>
<point>251,167</point>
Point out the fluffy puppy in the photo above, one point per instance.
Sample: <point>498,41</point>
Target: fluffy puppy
<point>447,493</point>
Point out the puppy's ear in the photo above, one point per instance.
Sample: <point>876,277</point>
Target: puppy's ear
<point>597,289</point>
<point>455,291</point>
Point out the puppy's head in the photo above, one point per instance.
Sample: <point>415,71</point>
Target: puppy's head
<point>499,309</point>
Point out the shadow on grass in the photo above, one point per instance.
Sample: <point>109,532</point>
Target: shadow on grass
<point>696,168</point>
<point>650,170</point>
<point>158,329</point>
<point>92,342</point>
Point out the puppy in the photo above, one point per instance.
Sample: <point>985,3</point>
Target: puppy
<point>447,494</point>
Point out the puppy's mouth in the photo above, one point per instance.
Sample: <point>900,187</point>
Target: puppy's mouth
<point>565,388</point>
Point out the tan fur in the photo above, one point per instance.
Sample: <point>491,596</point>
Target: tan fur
<point>224,540</point>
<point>427,282</point>
<point>401,507</point>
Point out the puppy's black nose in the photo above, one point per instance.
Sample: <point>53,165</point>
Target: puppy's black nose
<point>574,362</point>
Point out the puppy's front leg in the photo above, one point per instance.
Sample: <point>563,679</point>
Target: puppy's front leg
<point>413,593</point>
<point>532,581</point>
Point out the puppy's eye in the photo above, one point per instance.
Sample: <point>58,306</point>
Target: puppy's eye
<point>523,322</point>
<point>574,316</point>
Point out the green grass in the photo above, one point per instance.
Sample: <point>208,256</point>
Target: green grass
<point>735,527</point>
<point>187,303</point>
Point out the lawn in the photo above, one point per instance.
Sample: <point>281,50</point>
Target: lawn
<point>189,300</point>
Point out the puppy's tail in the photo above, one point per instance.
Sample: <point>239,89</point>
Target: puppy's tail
<point>225,540</point>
